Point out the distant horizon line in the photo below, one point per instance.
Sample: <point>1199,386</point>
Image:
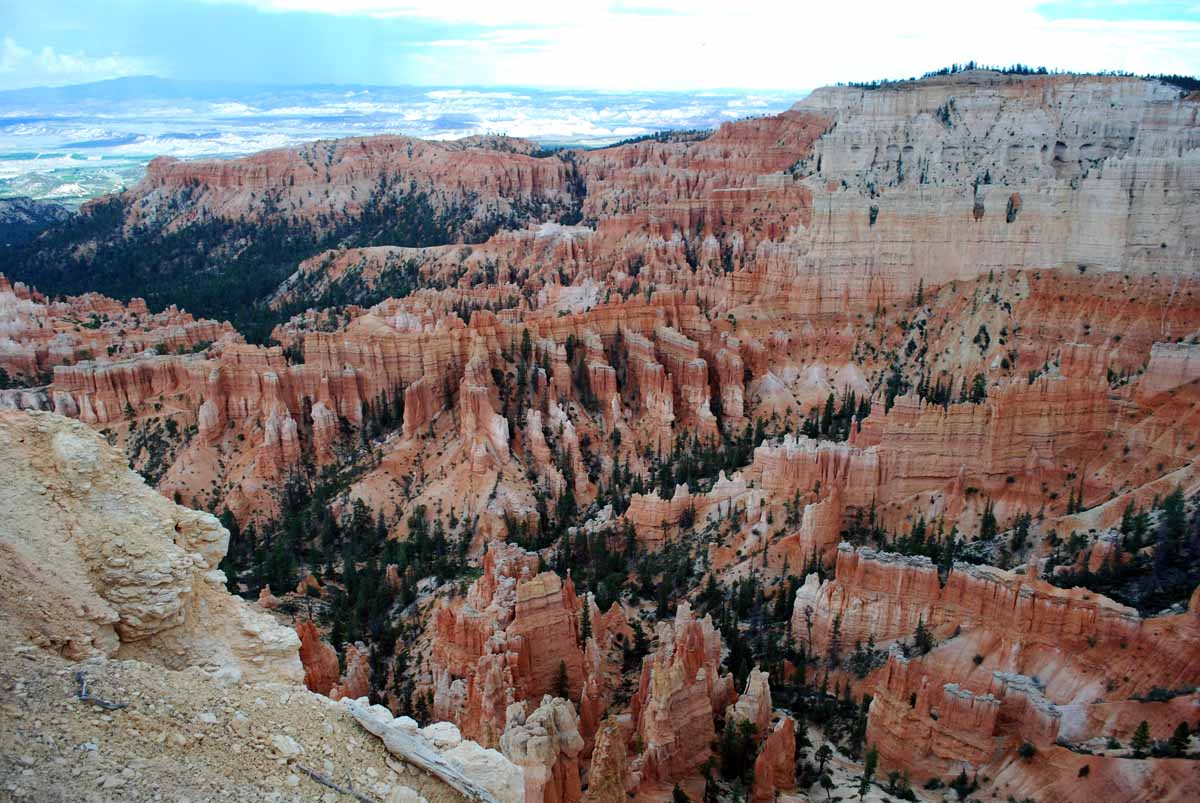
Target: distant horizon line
<point>798,91</point>
<point>219,82</point>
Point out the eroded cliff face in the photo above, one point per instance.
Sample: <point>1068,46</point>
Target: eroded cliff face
<point>1015,660</point>
<point>546,744</point>
<point>705,293</point>
<point>101,564</point>
<point>962,169</point>
<point>609,780</point>
<point>476,183</point>
<point>37,334</point>
<point>775,767</point>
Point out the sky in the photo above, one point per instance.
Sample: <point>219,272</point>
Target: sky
<point>620,45</point>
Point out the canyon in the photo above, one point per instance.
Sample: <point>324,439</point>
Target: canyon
<point>651,470</point>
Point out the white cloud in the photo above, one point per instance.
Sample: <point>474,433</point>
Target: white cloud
<point>769,45</point>
<point>692,44</point>
<point>20,66</point>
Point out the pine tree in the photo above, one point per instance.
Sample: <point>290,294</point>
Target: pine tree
<point>824,753</point>
<point>835,641</point>
<point>1179,739</point>
<point>872,761</point>
<point>585,627</point>
<point>827,416</point>
<point>1141,739</point>
<point>978,388</point>
<point>562,684</point>
<point>1174,517</point>
<point>961,785</point>
<point>987,525</point>
<point>922,639</point>
<point>1127,519</point>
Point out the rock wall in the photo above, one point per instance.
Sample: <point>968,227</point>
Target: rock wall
<point>37,334</point>
<point>1015,659</point>
<point>100,563</point>
<point>609,780</point>
<point>320,660</point>
<point>884,595</point>
<point>1082,153</point>
<point>481,180</point>
<point>753,705</point>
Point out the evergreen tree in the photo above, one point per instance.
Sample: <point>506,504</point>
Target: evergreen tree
<point>922,639</point>
<point>978,389</point>
<point>562,684</point>
<point>585,627</point>
<point>1141,739</point>
<point>827,416</point>
<point>872,761</point>
<point>737,747</point>
<point>824,753</point>
<point>987,525</point>
<point>961,785</point>
<point>710,598</point>
<point>1179,739</point>
<point>835,641</point>
<point>1174,518</point>
<point>639,649</point>
<point>1021,533</point>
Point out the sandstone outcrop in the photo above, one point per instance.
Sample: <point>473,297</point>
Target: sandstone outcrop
<point>99,563</point>
<point>753,705</point>
<point>37,334</point>
<point>681,687</point>
<point>356,680</point>
<point>320,660</point>
<point>483,180</point>
<point>505,643</point>
<point>975,292</point>
<point>775,767</point>
<point>1018,661</point>
<point>885,595</point>
<point>1171,365</point>
<point>477,772</point>
<point>609,779</point>
<point>546,745</point>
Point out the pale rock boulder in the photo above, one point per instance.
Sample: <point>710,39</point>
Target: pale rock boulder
<point>99,563</point>
<point>479,773</point>
<point>403,794</point>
